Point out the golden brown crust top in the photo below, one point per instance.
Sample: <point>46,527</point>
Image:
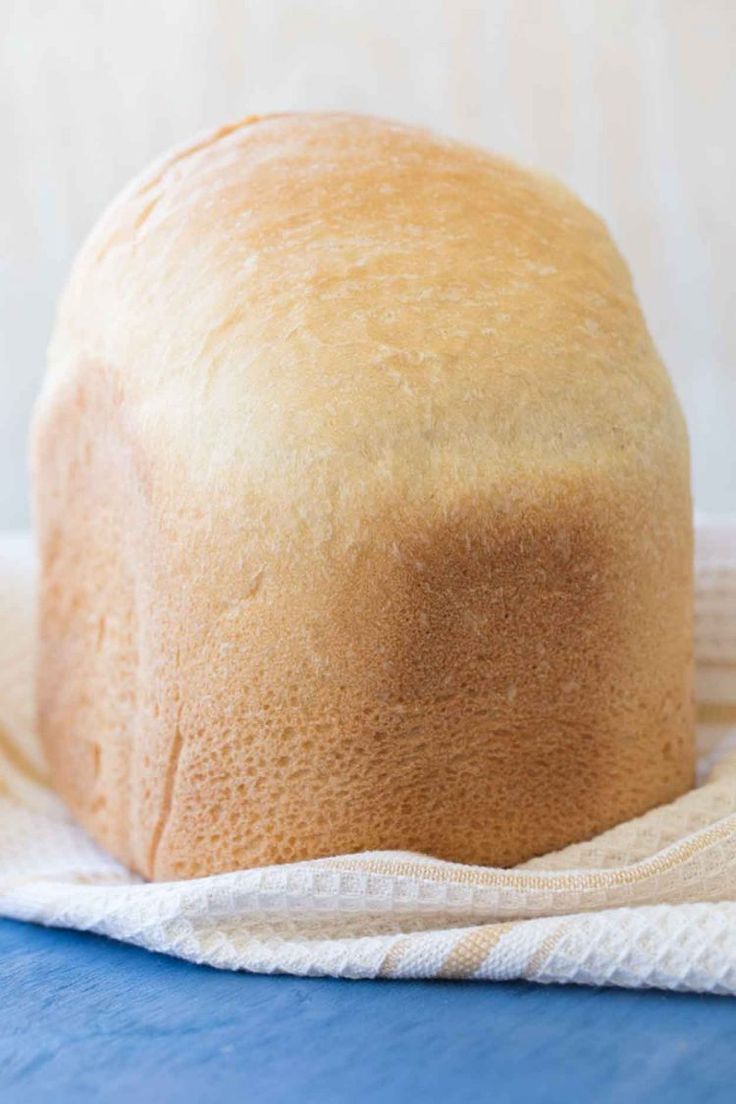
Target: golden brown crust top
<point>249,287</point>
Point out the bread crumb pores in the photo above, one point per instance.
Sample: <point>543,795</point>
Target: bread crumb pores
<point>363,507</point>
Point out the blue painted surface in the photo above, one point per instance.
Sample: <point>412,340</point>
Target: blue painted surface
<point>84,1018</point>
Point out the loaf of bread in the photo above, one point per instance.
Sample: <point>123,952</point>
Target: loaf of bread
<point>363,506</point>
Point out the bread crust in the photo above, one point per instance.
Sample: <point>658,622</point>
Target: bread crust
<point>363,508</point>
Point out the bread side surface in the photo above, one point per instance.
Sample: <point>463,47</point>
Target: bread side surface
<point>363,506</point>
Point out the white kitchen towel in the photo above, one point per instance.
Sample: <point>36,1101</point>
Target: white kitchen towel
<point>649,903</point>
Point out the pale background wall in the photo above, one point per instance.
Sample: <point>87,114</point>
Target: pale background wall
<point>632,102</point>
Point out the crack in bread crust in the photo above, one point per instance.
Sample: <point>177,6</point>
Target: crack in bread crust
<point>172,770</point>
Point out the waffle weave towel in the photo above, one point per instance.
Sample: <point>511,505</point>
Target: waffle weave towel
<point>649,903</point>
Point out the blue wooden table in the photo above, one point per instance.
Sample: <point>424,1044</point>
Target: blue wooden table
<point>84,1018</point>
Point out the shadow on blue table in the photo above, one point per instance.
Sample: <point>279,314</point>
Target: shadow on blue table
<point>84,1018</point>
